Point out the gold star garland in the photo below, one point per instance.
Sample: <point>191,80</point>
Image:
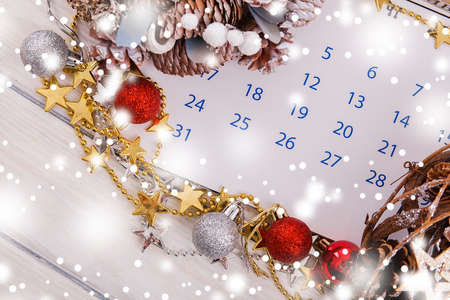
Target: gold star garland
<point>436,31</point>
<point>193,202</point>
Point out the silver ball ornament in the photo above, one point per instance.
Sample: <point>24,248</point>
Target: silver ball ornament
<point>45,52</point>
<point>214,235</point>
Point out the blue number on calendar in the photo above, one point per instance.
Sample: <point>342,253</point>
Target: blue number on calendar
<point>359,99</point>
<point>285,141</point>
<point>326,161</point>
<point>442,137</point>
<point>241,123</point>
<point>256,95</point>
<point>301,112</point>
<point>314,82</point>
<point>327,54</point>
<point>346,130</point>
<point>403,120</point>
<point>386,146</point>
<point>197,105</point>
<point>420,87</point>
<point>377,179</point>
<point>210,75</point>
<point>372,73</point>
<point>179,131</point>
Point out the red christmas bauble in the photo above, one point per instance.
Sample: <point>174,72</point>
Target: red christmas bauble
<point>287,240</point>
<point>141,98</point>
<point>336,261</point>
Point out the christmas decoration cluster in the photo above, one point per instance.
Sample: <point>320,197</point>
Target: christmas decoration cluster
<point>269,241</point>
<point>191,37</point>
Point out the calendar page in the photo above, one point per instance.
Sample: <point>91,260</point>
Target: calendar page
<point>327,134</point>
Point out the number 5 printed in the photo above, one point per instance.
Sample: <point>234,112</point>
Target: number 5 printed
<point>327,54</point>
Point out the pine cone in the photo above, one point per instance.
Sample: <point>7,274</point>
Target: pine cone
<point>226,12</point>
<point>301,12</point>
<point>112,56</point>
<point>270,56</point>
<point>176,61</point>
<point>86,9</point>
<point>390,276</point>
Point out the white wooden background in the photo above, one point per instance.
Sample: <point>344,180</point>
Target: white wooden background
<point>45,207</point>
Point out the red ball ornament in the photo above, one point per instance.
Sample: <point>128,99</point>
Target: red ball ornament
<point>141,98</point>
<point>287,240</point>
<point>336,261</point>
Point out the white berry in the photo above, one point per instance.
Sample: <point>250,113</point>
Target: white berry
<point>235,37</point>
<point>189,21</point>
<point>251,44</point>
<point>215,34</point>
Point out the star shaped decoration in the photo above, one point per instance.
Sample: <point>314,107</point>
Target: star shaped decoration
<point>161,125</point>
<point>190,198</point>
<point>380,3</point>
<point>54,94</point>
<point>439,36</point>
<point>309,277</point>
<point>150,206</point>
<point>83,73</point>
<point>95,159</point>
<point>223,199</point>
<point>307,273</point>
<point>149,239</point>
<point>251,229</point>
<point>133,150</point>
<point>81,110</point>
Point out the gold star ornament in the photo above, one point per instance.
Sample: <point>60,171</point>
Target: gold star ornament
<point>133,150</point>
<point>438,34</point>
<point>190,198</point>
<point>223,199</point>
<point>83,73</point>
<point>96,159</point>
<point>161,125</point>
<point>81,110</point>
<point>54,94</point>
<point>150,206</point>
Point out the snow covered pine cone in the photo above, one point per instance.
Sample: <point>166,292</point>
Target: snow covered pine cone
<point>228,28</point>
<point>176,61</point>
<point>206,11</point>
<point>390,277</point>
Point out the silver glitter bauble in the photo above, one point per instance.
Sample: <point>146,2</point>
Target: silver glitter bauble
<point>45,52</point>
<point>214,235</point>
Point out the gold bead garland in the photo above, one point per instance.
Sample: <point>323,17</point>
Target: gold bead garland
<point>435,30</point>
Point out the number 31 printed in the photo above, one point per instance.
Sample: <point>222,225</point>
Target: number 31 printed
<point>179,131</point>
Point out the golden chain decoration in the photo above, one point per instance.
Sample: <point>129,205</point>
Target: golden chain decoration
<point>211,204</point>
<point>435,29</point>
